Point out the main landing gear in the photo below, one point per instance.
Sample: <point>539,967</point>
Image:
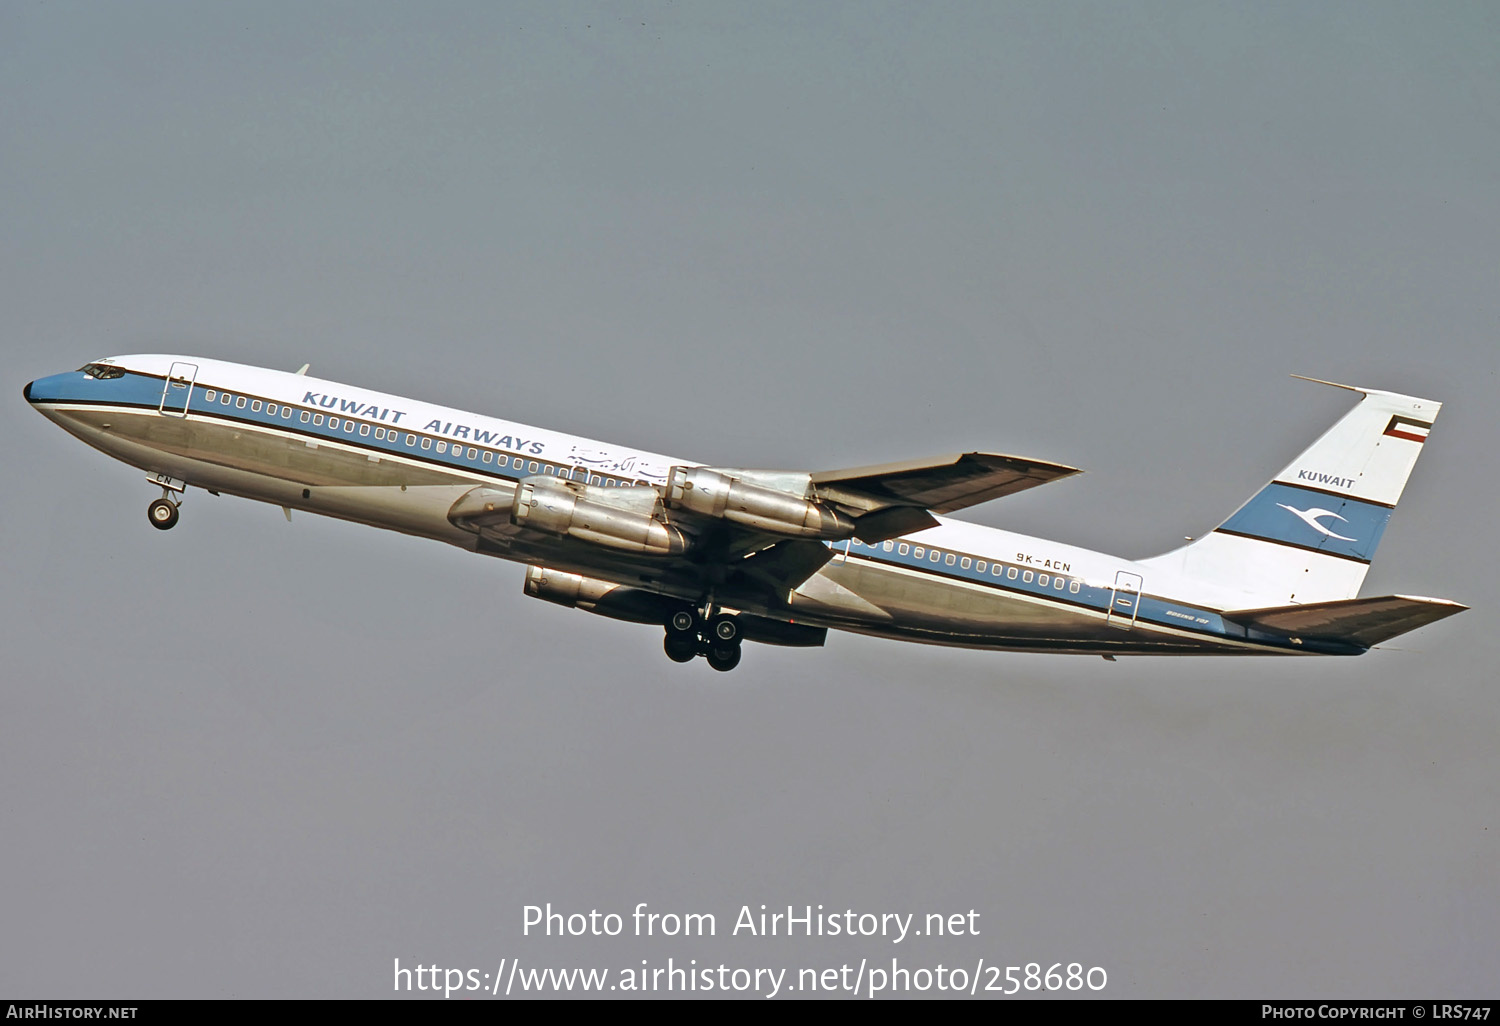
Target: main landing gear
<point>163,512</point>
<point>717,640</point>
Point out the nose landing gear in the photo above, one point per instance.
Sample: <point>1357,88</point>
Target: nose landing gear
<point>163,514</point>
<point>717,640</point>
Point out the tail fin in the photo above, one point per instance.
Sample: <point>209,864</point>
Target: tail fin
<point>1310,534</point>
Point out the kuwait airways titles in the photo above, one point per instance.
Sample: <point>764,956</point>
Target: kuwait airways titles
<point>805,921</point>
<point>373,411</point>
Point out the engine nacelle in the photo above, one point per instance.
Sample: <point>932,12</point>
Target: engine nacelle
<point>716,494</point>
<point>566,508</point>
<point>615,601</point>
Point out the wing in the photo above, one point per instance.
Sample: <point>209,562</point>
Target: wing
<point>942,485</point>
<point>730,527</point>
<point>895,497</point>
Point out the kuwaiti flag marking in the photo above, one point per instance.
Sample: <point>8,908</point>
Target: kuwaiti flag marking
<point>1411,430</point>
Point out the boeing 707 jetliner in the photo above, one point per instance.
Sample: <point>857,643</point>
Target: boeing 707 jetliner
<point>720,555</point>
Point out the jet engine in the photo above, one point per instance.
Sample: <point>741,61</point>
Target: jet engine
<point>714,493</point>
<point>637,605</point>
<point>615,518</point>
<point>615,601</point>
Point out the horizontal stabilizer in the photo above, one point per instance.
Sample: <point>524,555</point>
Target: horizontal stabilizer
<point>942,485</point>
<point>1363,621</point>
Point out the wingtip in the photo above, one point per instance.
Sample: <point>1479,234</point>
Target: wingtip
<point>1001,459</point>
<point>1457,607</point>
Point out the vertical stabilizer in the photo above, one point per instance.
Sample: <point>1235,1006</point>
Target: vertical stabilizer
<point>1309,535</point>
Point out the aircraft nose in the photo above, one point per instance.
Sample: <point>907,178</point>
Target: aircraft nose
<point>26,392</point>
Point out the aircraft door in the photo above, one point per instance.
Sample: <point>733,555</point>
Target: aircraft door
<point>1124,601</point>
<point>177,391</point>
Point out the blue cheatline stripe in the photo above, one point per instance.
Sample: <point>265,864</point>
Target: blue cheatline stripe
<point>1314,520</point>
<point>143,391</point>
<point>1153,609</point>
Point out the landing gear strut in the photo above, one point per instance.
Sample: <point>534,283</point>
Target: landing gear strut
<point>718,640</point>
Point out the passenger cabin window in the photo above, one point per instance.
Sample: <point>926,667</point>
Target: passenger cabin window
<point>1043,580</point>
<point>903,548</point>
<point>887,545</point>
<point>442,447</point>
<point>965,562</point>
<point>286,413</point>
<point>1058,584</point>
<point>240,403</point>
<point>304,416</point>
<point>977,566</point>
<point>333,423</point>
<point>364,429</point>
<point>318,419</point>
<point>531,469</point>
<point>208,395</point>
<point>1073,587</point>
<point>472,454</point>
<point>102,371</point>
<point>225,398</point>
<point>255,406</point>
<point>919,552</point>
<point>270,409</point>
<point>1011,573</point>
<point>427,443</point>
<point>488,456</point>
<point>411,439</point>
<point>1026,577</point>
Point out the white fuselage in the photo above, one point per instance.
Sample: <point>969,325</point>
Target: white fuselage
<point>398,463</point>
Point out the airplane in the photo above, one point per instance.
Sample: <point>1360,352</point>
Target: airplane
<point>719,555</point>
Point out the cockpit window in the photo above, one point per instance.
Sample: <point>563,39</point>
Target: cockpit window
<point>102,371</point>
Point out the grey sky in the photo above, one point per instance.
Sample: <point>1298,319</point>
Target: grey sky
<point>248,758</point>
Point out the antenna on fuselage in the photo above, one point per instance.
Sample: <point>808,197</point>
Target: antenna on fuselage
<point>303,368</point>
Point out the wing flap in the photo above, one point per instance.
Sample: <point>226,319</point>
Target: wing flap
<point>942,485</point>
<point>783,566</point>
<point>892,522</point>
<point>1363,621</point>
